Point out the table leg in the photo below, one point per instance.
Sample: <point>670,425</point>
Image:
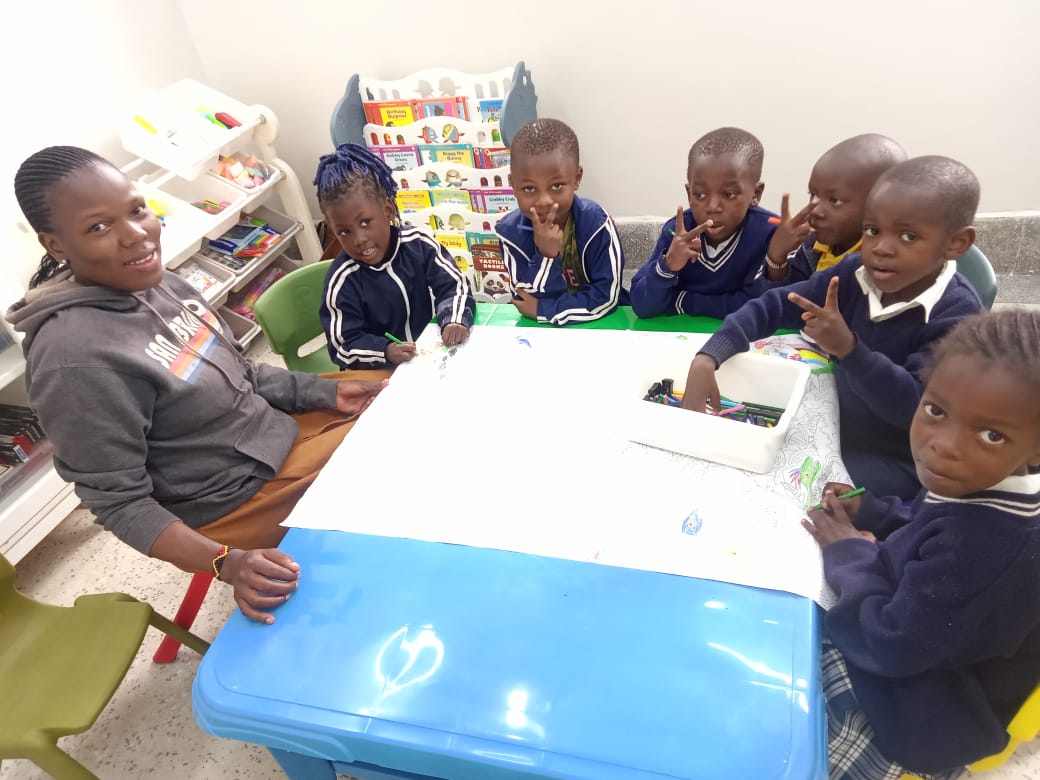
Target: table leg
<point>300,767</point>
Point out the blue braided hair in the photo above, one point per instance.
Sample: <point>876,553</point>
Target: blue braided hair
<point>349,167</point>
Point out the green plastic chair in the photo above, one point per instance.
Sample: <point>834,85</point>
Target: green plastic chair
<point>288,315</point>
<point>976,268</point>
<point>60,666</point>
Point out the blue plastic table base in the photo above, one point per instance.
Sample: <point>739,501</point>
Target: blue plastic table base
<point>445,661</point>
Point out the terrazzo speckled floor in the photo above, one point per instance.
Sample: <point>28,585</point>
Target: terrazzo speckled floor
<point>148,729</point>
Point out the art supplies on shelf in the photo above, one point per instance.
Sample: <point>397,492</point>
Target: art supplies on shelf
<point>245,171</point>
<point>185,127</point>
<point>244,302</point>
<point>209,278</point>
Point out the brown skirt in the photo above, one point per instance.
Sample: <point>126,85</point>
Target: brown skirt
<point>255,524</point>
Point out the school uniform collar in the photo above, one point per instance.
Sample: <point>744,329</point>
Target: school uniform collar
<point>926,300</point>
<point>827,259</point>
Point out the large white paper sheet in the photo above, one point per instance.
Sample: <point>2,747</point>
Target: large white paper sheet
<point>514,441</point>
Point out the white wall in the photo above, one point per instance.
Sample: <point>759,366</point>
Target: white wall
<point>69,71</point>
<point>954,77</point>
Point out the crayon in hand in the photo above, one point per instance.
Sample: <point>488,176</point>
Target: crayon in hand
<point>850,494</point>
<point>393,338</point>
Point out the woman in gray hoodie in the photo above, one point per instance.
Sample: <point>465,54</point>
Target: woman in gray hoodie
<point>179,445</point>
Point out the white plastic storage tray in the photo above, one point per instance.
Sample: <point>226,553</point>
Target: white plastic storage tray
<point>183,225</point>
<point>242,328</point>
<point>748,377</point>
<point>211,188</point>
<point>168,128</point>
<point>197,266</point>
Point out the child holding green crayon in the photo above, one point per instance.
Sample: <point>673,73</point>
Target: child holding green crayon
<point>390,279</point>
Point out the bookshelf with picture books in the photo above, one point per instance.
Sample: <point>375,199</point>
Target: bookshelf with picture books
<point>445,136</point>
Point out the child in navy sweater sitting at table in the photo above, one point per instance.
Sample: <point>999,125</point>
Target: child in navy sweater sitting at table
<point>562,252</point>
<point>934,642</point>
<point>877,317</point>
<point>380,284</point>
<point>706,260</point>
<point>831,225</point>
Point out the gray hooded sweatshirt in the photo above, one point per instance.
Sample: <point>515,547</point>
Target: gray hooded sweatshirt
<point>152,410</point>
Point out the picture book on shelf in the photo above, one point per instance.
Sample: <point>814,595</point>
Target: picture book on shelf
<point>390,113</point>
<point>490,110</point>
<point>443,196</point>
<point>491,156</point>
<point>492,201</point>
<point>413,200</point>
<point>398,158</point>
<point>460,154</point>
<point>491,281</point>
<point>464,262</point>
<point>455,242</point>
<point>457,107</point>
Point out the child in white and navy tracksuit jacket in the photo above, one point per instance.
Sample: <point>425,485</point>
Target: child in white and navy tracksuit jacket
<point>361,303</point>
<point>599,250</point>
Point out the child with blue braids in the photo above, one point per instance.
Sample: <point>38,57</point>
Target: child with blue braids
<point>380,284</point>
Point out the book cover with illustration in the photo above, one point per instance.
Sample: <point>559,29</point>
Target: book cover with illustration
<point>490,280</point>
<point>464,262</point>
<point>493,201</point>
<point>490,110</point>
<point>455,242</point>
<point>457,107</point>
<point>389,113</point>
<point>491,156</point>
<point>412,200</point>
<point>399,158</point>
<point>459,154</point>
<point>443,196</point>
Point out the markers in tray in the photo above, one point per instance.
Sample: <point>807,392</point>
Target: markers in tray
<point>664,392</point>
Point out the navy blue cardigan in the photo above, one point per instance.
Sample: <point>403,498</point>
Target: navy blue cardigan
<point>877,382</point>
<point>361,303</point>
<point>710,288</point>
<point>939,623</point>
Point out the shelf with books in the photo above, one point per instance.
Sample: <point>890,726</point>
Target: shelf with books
<point>505,98</point>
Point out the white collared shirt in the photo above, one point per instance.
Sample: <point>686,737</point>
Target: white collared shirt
<point>926,300</point>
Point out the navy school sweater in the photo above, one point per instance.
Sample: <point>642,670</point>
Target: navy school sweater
<point>939,623</point>
<point>710,287</point>
<point>877,382</point>
<point>361,303</point>
<point>602,259</point>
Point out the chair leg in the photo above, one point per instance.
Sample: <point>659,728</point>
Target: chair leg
<point>185,616</point>
<point>178,634</point>
<point>59,764</point>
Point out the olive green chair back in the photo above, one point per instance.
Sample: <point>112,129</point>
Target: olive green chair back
<point>59,666</point>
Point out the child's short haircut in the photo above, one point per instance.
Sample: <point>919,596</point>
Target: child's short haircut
<point>951,188</point>
<point>1010,337</point>
<point>351,167</point>
<point>542,136</point>
<point>729,140</point>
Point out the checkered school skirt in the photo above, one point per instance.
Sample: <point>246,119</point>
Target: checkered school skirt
<point>852,754</point>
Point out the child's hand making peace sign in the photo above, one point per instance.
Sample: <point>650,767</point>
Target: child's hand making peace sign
<point>824,324</point>
<point>686,244</point>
